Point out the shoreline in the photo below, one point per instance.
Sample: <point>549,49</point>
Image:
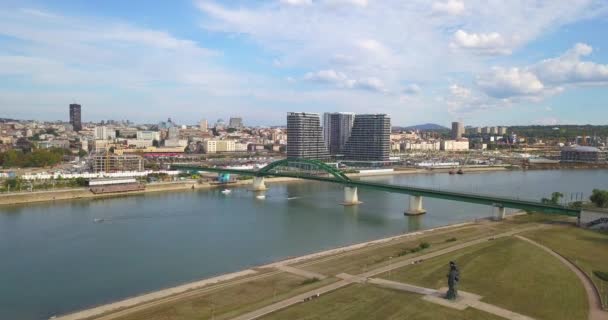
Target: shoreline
<point>67,194</point>
<point>250,271</point>
<point>84,193</point>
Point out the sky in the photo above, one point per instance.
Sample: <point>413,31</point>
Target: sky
<point>483,62</point>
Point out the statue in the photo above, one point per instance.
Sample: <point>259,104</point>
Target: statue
<point>453,278</point>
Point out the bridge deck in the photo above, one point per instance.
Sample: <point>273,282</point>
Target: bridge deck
<point>409,190</point>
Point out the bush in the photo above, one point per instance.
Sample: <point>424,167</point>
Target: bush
<point>602,275</point>
<point>424,245</point>
<point>451,240</point>
<point>309,281</point>
<point>599,198</point>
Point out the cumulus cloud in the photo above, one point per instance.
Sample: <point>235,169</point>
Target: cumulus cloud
<point>508,82</point>
<point>484,43</point>
<point>570,69</point>
<point>340,80</point>
<point>451,7</point>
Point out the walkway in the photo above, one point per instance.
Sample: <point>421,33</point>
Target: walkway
<point>362,277</point>
<point>595,305</point>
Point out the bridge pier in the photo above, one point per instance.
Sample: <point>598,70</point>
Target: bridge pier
<point>258,184</point>
<point>415,206</point>
<point>351,197</point>
<point>500,215</point>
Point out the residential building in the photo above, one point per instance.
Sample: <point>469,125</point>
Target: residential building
<point>76,116</point>
<point>455,145</point>
<point>305,136</point>
<point>369,139</point>
<point>203,125</point>
<point>502,131</point>
<point>214,146</point>
<point>148,135</point>
<point>457,130</point>
<point>336,130</point>
<point>235,123</point>
<point>104,133</point>
<point>107,162</point>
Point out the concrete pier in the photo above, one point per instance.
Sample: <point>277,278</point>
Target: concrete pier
<point>500,215</point>
<point>258,184</point>
<point>350,196</point>
<point>415,207</point>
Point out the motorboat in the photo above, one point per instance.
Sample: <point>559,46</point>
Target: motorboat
<point>260,196</point>
<point>460,171</point>
<point>226,191</point>
<point>98,220</point>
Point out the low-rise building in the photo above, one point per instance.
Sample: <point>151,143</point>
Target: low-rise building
<point>582,154</point>
<point>455,145</point>
<point>108,162</point>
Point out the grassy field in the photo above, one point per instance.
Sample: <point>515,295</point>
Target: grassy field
<point>231,301</point>
<point>509,273</point>
<point>586,248</point>
<point>376,256</point>
<point>367,302</point>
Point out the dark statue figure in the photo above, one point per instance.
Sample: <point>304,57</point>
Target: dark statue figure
<point>453,278</point>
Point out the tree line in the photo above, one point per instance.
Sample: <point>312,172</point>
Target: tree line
<point>36,158</point>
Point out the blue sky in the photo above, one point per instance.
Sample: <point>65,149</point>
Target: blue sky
<point>482,62</point>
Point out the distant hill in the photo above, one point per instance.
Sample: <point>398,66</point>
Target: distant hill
<point>424,127</point>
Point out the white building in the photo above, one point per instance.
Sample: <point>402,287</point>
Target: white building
<point>422,145</point>
<point>148,135</point>
<point>455,145</point>
<point>104,133</point>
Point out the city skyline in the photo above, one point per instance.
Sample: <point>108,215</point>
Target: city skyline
<point>502,64</point>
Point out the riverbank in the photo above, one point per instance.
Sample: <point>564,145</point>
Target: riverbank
<point>164,293</point>
<point>141,302</point>
<point>85,193</point>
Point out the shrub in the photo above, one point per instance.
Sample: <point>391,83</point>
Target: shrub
<point>451,239</point>
<point>309,281</point>
<point>424,245</point>
<point>602,275</point>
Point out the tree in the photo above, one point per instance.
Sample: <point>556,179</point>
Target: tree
<point>599,198</point>
<point>555,197</point>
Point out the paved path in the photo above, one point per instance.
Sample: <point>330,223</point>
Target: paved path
<point>595,304</point>
<point>300,272</point>
<point>397,264</point>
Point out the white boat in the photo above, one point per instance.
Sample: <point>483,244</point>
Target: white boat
<point>226,191</point>
<point>98,220</point>
<point>260,196</point>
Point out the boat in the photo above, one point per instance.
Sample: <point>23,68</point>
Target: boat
<point>452,172</point>
<point>98,220</point>
<point>260,196</point>
<point>460,171</point>
<point>226,191</point>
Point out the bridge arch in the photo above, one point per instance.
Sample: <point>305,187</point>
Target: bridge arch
<point>314,163</point>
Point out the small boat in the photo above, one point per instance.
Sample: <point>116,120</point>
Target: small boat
<point>460,171</point>
<point>98,220</point>
<point>260,196</point>
<point>226,191</point>
<point>451,172</point>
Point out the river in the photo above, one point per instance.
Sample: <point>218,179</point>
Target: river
<point>56,260</point>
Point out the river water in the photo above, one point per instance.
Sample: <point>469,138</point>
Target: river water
<point>55,259</point>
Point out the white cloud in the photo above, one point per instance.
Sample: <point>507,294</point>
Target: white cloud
<point>483,43</point>
<point>340,80</point>
<point>569,69</point>
<point>411,89</point>
<point>451,7</point>
<point>504,83</point>
<point>297,2</point>
<point>356,3</point>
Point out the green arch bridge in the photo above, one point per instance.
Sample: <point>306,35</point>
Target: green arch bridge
<point>319,171</point>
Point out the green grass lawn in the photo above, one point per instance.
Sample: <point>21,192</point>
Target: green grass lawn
<point>368,302</point>
<point>586,248</point>
<point>231,301</point>
<point>363,260</point>
<point>509,273</point>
